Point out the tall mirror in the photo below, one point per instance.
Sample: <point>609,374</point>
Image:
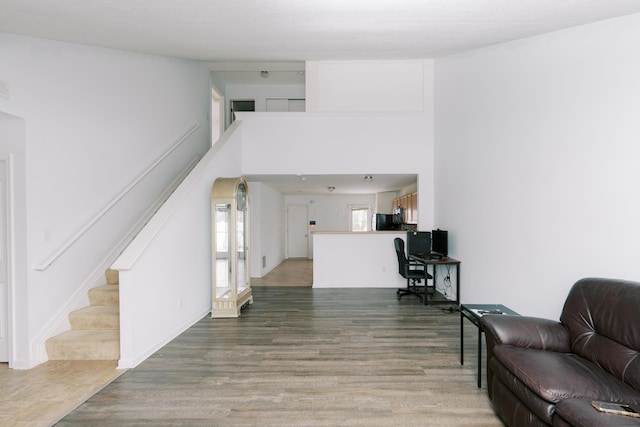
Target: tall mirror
<point>231,289</point>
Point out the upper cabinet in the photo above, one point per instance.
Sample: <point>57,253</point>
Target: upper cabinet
<point>413,208</point>
<point>409,205</point>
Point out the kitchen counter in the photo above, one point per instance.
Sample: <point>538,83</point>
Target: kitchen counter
<point>356,259</point>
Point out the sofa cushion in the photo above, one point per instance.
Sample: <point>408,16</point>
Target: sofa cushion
<point>557,376</point>
<point>580,413</point>
<point>599,314</point>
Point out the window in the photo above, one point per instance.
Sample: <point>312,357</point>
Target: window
<point>359,218</point>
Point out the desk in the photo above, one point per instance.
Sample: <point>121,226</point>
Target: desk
<point>435,263</point>
<point>474,312</point>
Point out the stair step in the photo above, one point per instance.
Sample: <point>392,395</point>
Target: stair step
<point>113,277</point>
<point>95,330</point>
<point>105,295</point>
<point>96,317</point>
<point>85,345</point>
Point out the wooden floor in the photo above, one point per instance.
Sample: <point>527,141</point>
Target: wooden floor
<point>305,357</point>
<point>291,272</point>
<point>40,396</point>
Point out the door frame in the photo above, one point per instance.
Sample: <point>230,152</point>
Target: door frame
<point>217,122</point>
<point>288,251</point>
<point>7,242</point>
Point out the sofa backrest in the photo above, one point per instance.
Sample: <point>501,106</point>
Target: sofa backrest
<point>603,319</point>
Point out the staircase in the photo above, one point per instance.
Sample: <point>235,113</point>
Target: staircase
<point>95,330</point>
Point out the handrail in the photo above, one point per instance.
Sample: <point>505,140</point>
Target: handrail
<point>62,249</point>
<point>137,246</point>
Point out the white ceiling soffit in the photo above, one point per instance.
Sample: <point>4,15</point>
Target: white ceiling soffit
<point>343,184</point>
<point>244,78</point>
<point>298,30</point>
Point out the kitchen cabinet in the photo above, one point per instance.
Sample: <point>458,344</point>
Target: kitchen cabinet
<point>409,205</point>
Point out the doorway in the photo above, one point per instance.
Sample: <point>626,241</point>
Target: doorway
<point>297,231</point>
<point>217,114</point>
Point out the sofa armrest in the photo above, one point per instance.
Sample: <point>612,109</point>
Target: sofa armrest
<point>522,331</point>
<point>528,332</point>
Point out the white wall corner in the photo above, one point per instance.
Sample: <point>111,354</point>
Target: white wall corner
<point>311,86</point>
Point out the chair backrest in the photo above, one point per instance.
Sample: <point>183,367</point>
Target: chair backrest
<point>419,243</point>
<point>603,320</point>
<point>402,258</point>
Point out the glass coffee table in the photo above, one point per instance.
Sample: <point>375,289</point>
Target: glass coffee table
<point>474,313</point>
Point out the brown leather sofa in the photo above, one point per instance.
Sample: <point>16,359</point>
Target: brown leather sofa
<point>542,372</point>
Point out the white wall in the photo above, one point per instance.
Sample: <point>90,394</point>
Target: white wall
<point>536,165</point>
<point>356,260</point>
<point>390,140</point>
<point>384,202</point>
<point>329,211</point>
<point>260,93</point>
<point>267,228</point>
<point>165,273</point>
<point>369,86</point>
<point>268,221</point>
<point>12,137</point>
<point>94,120</point>
<point>332,143</point>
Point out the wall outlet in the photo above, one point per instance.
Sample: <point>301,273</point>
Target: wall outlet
<point>4,89</point>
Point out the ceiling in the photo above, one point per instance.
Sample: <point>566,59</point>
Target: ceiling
<point>344,184</point>
<point>299,30</point>
<point>249,73</point>
<point>238,39</point>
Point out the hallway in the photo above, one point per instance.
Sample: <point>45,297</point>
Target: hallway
<point>291,272</point>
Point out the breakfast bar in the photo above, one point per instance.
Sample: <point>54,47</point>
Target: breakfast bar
<point>356,260</point>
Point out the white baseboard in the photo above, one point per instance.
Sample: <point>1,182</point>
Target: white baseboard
<point>132,362</point>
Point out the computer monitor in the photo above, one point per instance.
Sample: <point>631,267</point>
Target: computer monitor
<point>419,243</point>
<point>440,242</point>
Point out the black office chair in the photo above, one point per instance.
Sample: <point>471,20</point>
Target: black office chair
<point>414,272</point>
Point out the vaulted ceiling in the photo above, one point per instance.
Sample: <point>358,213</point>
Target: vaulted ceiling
<point>298,30</point>
<point>238,37</point>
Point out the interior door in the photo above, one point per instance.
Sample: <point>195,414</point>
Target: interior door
<point>297,231</point>
<point>4,291</point>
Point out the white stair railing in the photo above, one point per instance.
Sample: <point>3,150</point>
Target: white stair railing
<point>43,265</point>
